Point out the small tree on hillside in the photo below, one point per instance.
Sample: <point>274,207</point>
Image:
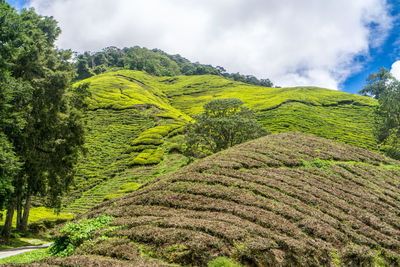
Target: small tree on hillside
<point>224,123</point>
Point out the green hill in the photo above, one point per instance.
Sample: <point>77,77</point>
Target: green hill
<point>287,199</point>
<point>127,124</point>
<point>135,121</point>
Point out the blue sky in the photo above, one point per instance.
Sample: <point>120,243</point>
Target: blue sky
<point>17,3</point>
<point>262,38</point>
<point>382,56</point>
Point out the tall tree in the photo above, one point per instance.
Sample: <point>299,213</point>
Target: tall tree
<point>52,134</point>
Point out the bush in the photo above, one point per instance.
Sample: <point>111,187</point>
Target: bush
<point>148,157</point>
<point>74,234</point>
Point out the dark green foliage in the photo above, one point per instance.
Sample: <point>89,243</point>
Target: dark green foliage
<point>250,79</point>
<point>48,134</point>
<point>224,123</point>
<point>155,62</point>
<point>9,168</point>
<point>82,67</point>
<point>14,97</point>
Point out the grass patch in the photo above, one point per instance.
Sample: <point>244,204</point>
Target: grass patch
<point>28,240</point>
<point>224,262</point>
<point>27,257</point>
<point>41,213</point>
<point>125,189</point>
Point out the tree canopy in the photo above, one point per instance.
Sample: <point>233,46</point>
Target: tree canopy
<point>386,89</point>
<point>224,123</point>
<point>40,124</point>
<point>155,62</point>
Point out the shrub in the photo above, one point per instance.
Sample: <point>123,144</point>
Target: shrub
<point>74,234</point>
<point>148,157</point>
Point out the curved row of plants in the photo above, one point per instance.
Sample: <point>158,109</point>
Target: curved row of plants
<point>290,199</point>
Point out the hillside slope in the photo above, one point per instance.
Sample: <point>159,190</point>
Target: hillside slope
<point>135,120</point>
<point>327,113</point>
<point>128,124</point>
<point>286,199</point>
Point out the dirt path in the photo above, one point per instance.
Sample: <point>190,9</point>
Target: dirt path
<point>15,251</point>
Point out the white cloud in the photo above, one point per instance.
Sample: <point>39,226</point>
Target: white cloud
<point>395,71</point>
<point>309,42</point>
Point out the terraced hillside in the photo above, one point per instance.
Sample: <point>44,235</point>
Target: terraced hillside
<point>286,199</point>
<point>135,120</point>
<point>327,113</point>
<point>331,114</point>
<point>128,125</point>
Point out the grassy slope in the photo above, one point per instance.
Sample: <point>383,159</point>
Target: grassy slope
<point>326,113</point>
<point>135,119</point>
<point>287,199</point>
<point>121,111</point>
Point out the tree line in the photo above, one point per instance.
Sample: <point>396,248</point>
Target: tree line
<point>155,62</point>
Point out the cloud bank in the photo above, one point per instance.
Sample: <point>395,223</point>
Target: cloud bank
<point>395,70</point>
<point>310,42</point>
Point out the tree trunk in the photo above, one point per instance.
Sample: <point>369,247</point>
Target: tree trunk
<point>6,233</point>
<point>24,222</point>
<point>19,213</point>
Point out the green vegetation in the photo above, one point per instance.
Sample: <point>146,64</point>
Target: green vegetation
<point>129,124</point>
<point>42,213</point>
<point>224,123</point>
<point>331,114</point>
<point>29,239</point>
<point>377,83</point>
<point>284,199</point>
<point>223,262</point>
<point>40,114</point>
<point>125,189</point>
<point>154,62</point>
<point>135,123</point>
<point>384,87</point>
<point>74,234</point>
<point>27,257</point>
<point>289,199</point>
